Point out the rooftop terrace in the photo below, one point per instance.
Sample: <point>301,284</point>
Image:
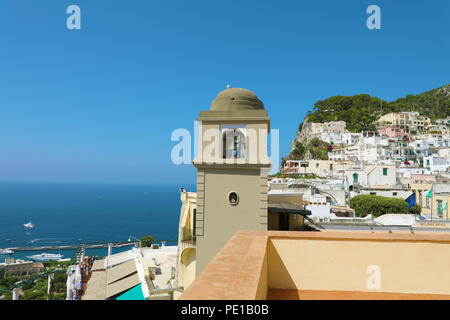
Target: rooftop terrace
<point>327,265</point>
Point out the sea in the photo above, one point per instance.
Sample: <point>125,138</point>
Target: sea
<point>74,213</point>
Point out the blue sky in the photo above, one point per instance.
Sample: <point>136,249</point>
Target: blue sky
<point>100,103</point>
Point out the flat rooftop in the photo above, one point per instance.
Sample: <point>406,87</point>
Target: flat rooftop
<point>293,265</point>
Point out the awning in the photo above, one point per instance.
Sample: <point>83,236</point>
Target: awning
<point>122,285</point>
<point>113,281</point>
<point>120,271</point>
<point>96,286</point>
<point>134,293</point>
<point>287,207</point>
<point>119,258</point>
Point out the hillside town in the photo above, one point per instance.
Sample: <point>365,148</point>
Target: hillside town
<point>343,203</point>
<point>408,153</point>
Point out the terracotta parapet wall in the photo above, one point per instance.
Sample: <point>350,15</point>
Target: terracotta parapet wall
<point>236,272</point>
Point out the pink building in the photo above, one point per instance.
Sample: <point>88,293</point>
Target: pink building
<point>394,132</point>
<point>291,167</point>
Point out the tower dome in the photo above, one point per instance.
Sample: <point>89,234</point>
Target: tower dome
<point>236,99</point>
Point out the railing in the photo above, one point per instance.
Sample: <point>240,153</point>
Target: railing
<point>188,235</point>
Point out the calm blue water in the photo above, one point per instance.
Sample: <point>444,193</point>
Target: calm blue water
<point>63,213</point>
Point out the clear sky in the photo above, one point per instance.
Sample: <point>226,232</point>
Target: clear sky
<point>100,103</point>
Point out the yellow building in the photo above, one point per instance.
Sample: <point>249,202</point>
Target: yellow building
<point>285,210</point>
<point>433,207</point>
<point>405,120</point>
<point>186,239</point>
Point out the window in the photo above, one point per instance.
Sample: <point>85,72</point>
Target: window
<point>439,208</point>
<point>331,166</point>
<point>194,231</point>
<point>233,198</point>
<point>394,194</point>
<point>355,178</point>
<point>385,171</point>
<point>428,202</point>
<point>317,165</point>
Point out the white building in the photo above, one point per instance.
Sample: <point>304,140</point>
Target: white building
<point>371,175</point>
<point>436,164</point>
<point>444,152</point>
<point>350,138</point>
<point>420,147</point>
<point>407,172</point>
<point>319,206</point>
<point>331,138</point>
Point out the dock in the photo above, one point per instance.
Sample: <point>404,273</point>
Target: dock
<point>87,246</point>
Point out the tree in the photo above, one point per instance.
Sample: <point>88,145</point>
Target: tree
<point>378,205</point>
<point>299,152</point>
<point>316,147</point>
<point>8,281</point>
<point>34,295</point>
<point>361,111</point>
<point>147,241</point>
<point>51,263</point>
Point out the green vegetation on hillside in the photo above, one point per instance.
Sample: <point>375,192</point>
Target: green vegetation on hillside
<point>317,148</point>
<point>434,103</point>
<point>360,111</point>
<point>38,289</point>
<point>377,206</point>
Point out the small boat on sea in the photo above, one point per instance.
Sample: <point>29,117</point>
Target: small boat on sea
<point>45,257</point>
<point>6,251</point>
<point>28,225</point>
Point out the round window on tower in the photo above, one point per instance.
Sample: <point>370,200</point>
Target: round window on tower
<point>233,198</point>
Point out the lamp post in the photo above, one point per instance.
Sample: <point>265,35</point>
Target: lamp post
<point>139,241</point>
